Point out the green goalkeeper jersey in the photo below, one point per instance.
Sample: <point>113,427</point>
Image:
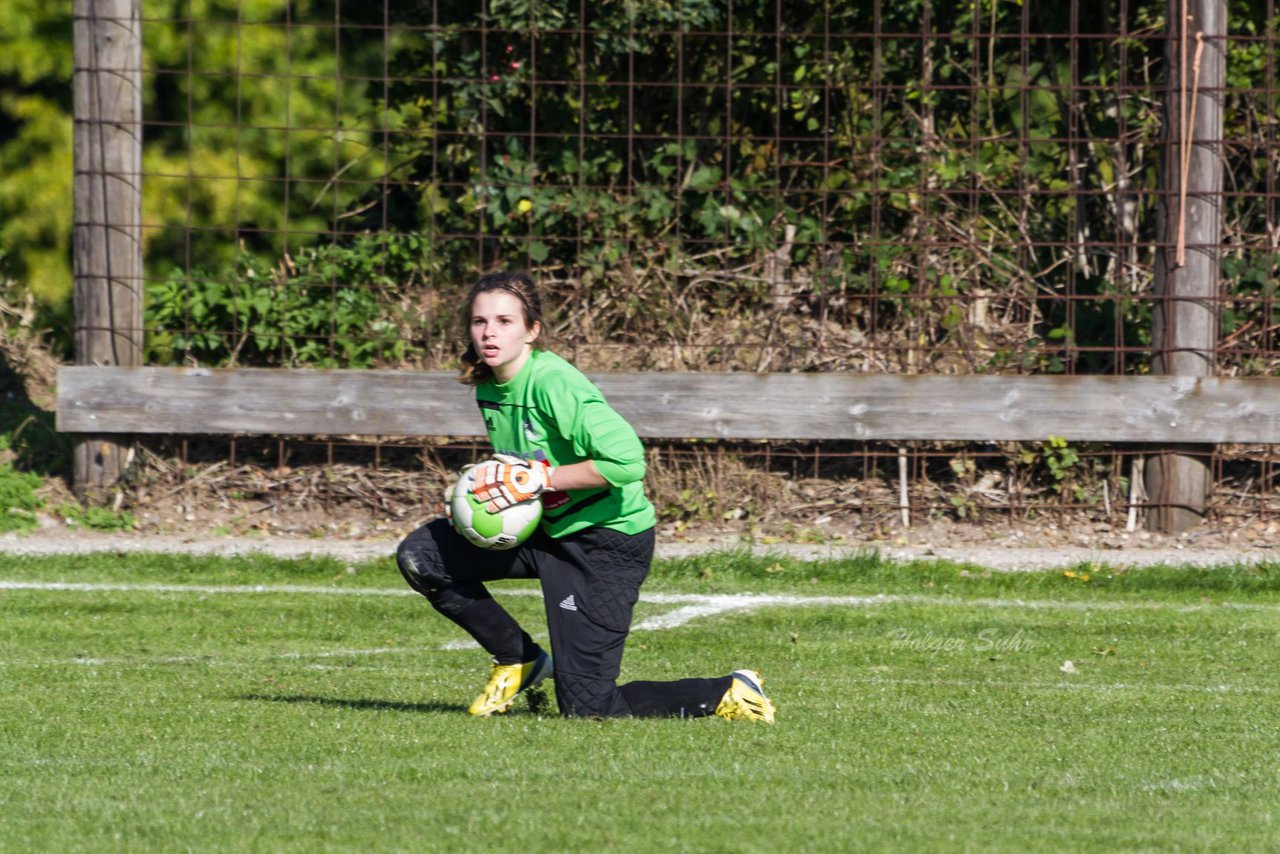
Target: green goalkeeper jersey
<point>551,411</point>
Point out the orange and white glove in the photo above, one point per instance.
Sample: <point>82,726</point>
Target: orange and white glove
<point>506,480</point>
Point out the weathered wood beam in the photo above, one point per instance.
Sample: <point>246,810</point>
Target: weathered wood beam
<point>107,237</point>
<point>1162,409</point>
<point>1184,329</point>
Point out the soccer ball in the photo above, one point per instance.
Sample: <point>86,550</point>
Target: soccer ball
<point>505,529</point>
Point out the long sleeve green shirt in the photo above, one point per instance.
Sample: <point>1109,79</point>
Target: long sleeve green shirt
<point>550,411</point>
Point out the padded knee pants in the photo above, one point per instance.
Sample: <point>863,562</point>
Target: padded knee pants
<point>590,583</point>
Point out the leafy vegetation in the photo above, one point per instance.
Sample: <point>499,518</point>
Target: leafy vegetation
<point>958,196</point>
<point>95,518</point>
<point>30,450</point>
<point>222,81</point>
<point>34,456</point>
<point>330,306</point>
<point>18,499</point>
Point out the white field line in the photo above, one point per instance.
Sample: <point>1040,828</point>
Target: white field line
<point>1063,684</point>
<point>699,604</point>
<point>203,589</point>
<point>282,656</point>
<point>690,607</point>
<point>686,614</point>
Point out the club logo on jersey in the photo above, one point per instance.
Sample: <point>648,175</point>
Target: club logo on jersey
<point>487,410</point>
<point>531,431</point>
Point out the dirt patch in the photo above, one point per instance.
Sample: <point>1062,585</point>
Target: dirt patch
<point>291,500</point>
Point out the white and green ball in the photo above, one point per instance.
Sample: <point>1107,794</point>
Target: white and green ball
<point>504,529</point>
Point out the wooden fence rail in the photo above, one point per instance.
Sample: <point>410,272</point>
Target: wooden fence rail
<point>1155,409</point>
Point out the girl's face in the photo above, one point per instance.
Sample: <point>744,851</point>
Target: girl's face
<point>498,330</point>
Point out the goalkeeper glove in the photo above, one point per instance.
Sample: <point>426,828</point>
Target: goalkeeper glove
<point>506,480</point>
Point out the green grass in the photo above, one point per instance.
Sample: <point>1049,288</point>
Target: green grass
<point>936,719</point>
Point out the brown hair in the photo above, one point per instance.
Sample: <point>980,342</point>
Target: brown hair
<point>522,287</point>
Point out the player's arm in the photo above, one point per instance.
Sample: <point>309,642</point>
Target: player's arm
<point>609,443</point>
<point>609,451</point>
<point>583,475</point>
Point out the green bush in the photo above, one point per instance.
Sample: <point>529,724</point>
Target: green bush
<point>96,518</point>
<point>18,499</point>
<point>330,306</point>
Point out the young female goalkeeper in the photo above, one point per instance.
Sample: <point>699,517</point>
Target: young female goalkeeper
<point>554,435</point>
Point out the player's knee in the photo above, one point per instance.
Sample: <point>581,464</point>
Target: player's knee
<point>589,697</point>
<point>421,566</point>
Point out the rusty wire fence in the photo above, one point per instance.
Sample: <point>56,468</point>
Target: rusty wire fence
<point>807,491</point>
<point>918,187</point>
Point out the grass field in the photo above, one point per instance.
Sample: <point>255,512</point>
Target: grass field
<point>159,703</point>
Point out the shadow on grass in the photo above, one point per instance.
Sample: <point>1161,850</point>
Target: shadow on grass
<point>338,702</point>
<point>536,703</point>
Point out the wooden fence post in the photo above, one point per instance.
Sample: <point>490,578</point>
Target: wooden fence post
<point>1189,234</point>
<point>107,245</point>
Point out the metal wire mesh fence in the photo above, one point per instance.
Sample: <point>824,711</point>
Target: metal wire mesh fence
<point>929,186</point>
<point>918,187</point>
<point>808,491</point>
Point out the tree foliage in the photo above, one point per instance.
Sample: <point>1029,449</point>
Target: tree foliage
<point>241,151</point>
<point>35,146</point>
<point>803,185</point>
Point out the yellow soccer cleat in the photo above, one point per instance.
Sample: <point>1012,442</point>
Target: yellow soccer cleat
<point>745,699</point>
<point>506,681</point>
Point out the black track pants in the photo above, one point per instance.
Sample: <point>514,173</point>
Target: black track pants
<point>590,583</point>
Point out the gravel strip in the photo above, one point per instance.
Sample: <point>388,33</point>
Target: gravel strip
<point>51,541</point>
